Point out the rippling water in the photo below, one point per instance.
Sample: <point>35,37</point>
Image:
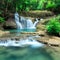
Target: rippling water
<point>13,53</point>
<point>28,53</point>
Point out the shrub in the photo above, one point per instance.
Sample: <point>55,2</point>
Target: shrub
<point>50,5</point>
<point>1,20</point>
<point>53,27</point>
<point>58,18</point>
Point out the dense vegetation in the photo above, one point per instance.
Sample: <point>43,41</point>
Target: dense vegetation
<point>23,5</point>
<point>7,6</point>
<point>53,26</point>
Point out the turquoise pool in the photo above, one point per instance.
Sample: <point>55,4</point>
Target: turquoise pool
<point>22,30</point>
<point>13,53</point>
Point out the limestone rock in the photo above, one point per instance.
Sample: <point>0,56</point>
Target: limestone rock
<point>3,32</point>
<point>41,33</point>
<point>54,41</point>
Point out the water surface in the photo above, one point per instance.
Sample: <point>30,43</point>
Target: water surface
<point>13,53</point>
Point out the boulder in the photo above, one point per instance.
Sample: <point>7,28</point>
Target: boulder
<point>41,33</point>
<point>9,24</point>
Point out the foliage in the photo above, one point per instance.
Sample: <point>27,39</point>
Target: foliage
<point>26,5</point>
<point>1,19</point>
<point>57,6</point>
<point>53,26</point>
<point>50,5</point>
<point>41,4</point>
<point>11,6</point>
<point>58,17</point>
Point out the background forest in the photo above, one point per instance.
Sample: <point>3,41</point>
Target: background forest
<point>11,6</point>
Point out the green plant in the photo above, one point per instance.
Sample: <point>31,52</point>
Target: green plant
<point>53,27</point>
<point>58,17</point>
<point>1,20</point>
<point>40,5</point>
<point>50,5</point>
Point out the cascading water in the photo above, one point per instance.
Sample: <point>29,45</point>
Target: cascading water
<point>19,26</point>
<point>24,23</point>
<point>29,41</point>
<point>31,25</point>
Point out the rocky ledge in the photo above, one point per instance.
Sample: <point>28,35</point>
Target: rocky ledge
<point>50,41</point>
<point>44,38</point>
<point>3,33</point>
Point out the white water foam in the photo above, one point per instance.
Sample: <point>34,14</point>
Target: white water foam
<point>23,23</point>
<point>22,43</point>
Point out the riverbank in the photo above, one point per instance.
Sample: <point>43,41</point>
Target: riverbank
<point>41,37</point>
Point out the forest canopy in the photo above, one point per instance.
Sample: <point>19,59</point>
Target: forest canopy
<point>7,6</point>
<point>26,5</point>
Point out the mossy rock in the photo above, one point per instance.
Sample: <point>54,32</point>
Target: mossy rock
<point>37,13</point>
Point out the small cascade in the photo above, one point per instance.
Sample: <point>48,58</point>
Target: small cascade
<point>23,23</point>
<point>29,41</point>
<point>35,23</point>
<point>29,24</point>
<point>19,25</point>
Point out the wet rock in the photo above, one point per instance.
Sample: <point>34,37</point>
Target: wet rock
<point>56,45</point>
<point>16,38</point>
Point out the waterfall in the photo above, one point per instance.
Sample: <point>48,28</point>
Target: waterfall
<point>23,23</point>
<point>19,26</point>
<point>35,23</point>
<point>29,24</point>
